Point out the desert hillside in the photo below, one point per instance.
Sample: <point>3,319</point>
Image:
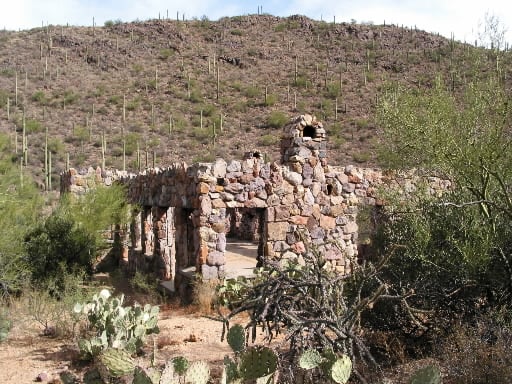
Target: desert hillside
<point>162,91</point>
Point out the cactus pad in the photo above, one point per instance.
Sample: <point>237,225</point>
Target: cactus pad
<point>236,338</point>
<point>197,373</point>
<point>114,363</point>
<point>230,370</point>
<point>257,362</point>
<point>180,365</point>
<point>146,376</point>
<point>341,369</point>
<point>427,375</point>
<point>168,373</point>
<point>310,359</point>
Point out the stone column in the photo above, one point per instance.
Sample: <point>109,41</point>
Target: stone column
<point>147,231</point>
<point>161,248</point>
<point>170,245</point>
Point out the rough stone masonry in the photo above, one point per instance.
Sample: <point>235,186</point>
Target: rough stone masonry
<point>186,212</point>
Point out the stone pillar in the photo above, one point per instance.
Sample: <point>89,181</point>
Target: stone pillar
<point>136,230</point>
<point>171,242</point>
<point>161,237</point>
<point>147,231</point>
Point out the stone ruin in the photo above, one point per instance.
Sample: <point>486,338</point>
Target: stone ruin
<point>187,212</point>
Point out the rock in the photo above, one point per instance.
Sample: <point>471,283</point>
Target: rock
<point>281,246</point>
<point>294,178</point>
<point>234,188</point>
<point>349,187</point>
<point>43,376</point>
<point>219,168</point>
<point>221,242</point>
<point>209,272</point>
<point>277,230</point>
<point>327,222</point>
<point>350,227</point>
<point>216,258</point>
<point>317,233</point>
<point>234,166</point>
<point>282,212</point>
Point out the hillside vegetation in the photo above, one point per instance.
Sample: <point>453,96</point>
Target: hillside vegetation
<point>164,90</point>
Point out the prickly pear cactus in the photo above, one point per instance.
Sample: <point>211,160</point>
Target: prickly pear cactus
<point>427,375</point>
<point>113,363</point>
<point>146,376</point>
<point>168,373</point>
<point>180,365</point>
<point>341,369</point>
<point>236,338</point>
<point>269,379</point>
<point>230,373</point>
<point>197,373</point>
<point>310,359</point>
<point>257,362</point>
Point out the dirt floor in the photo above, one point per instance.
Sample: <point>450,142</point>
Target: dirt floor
<point>184,331</point>
<point>27,353</point>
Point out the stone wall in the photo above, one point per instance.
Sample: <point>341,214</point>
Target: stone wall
<point>187,211</point>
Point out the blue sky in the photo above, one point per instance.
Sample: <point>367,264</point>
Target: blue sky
<point>462,17</point>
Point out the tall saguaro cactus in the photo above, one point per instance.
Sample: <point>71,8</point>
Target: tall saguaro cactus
<point>46,173</point>
<point>24,143</point>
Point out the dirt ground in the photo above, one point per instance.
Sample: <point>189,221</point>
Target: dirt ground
<point>27,353</point>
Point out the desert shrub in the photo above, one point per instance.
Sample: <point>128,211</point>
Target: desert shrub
<point>69,239</point>
<point>165,53</point>
<point>333,90</point>
<point>478,354</point>
<point>270,100</point>
<point>115,99</point>
<point>21,206</point>
<point>208,110</point>
<point>5,324</point>
<point>4,95</point>
<point>55,145</point>
<point>39,97</point>
<point>205,295</point>
<point>131,141</point>
<point>267,140</point>
<point>57,247</point>
<point>277,119</point>
<point>361,156</point>
<point>51,306</point>
<point>454,251</point>
<point>33,126</point>
<point>251,92</point>
<point>70,97</point>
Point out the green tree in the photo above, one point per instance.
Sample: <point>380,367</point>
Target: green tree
<point>453,253</point>
<point>20,207</point>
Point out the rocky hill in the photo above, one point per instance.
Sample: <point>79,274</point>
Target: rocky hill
<point>164,90</point>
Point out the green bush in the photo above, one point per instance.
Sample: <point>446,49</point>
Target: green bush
<point>39,97</point>
<point>5,324</point>
<point>58,246</point>
<point>165,53</point>
<point>267,140</point>
<point>33,126</point>
<point>20,207</point>
<point>277,119</point>
<point>251,92</point>
<point>71,236</point>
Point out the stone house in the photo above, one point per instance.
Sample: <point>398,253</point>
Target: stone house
<point>186,213</point>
